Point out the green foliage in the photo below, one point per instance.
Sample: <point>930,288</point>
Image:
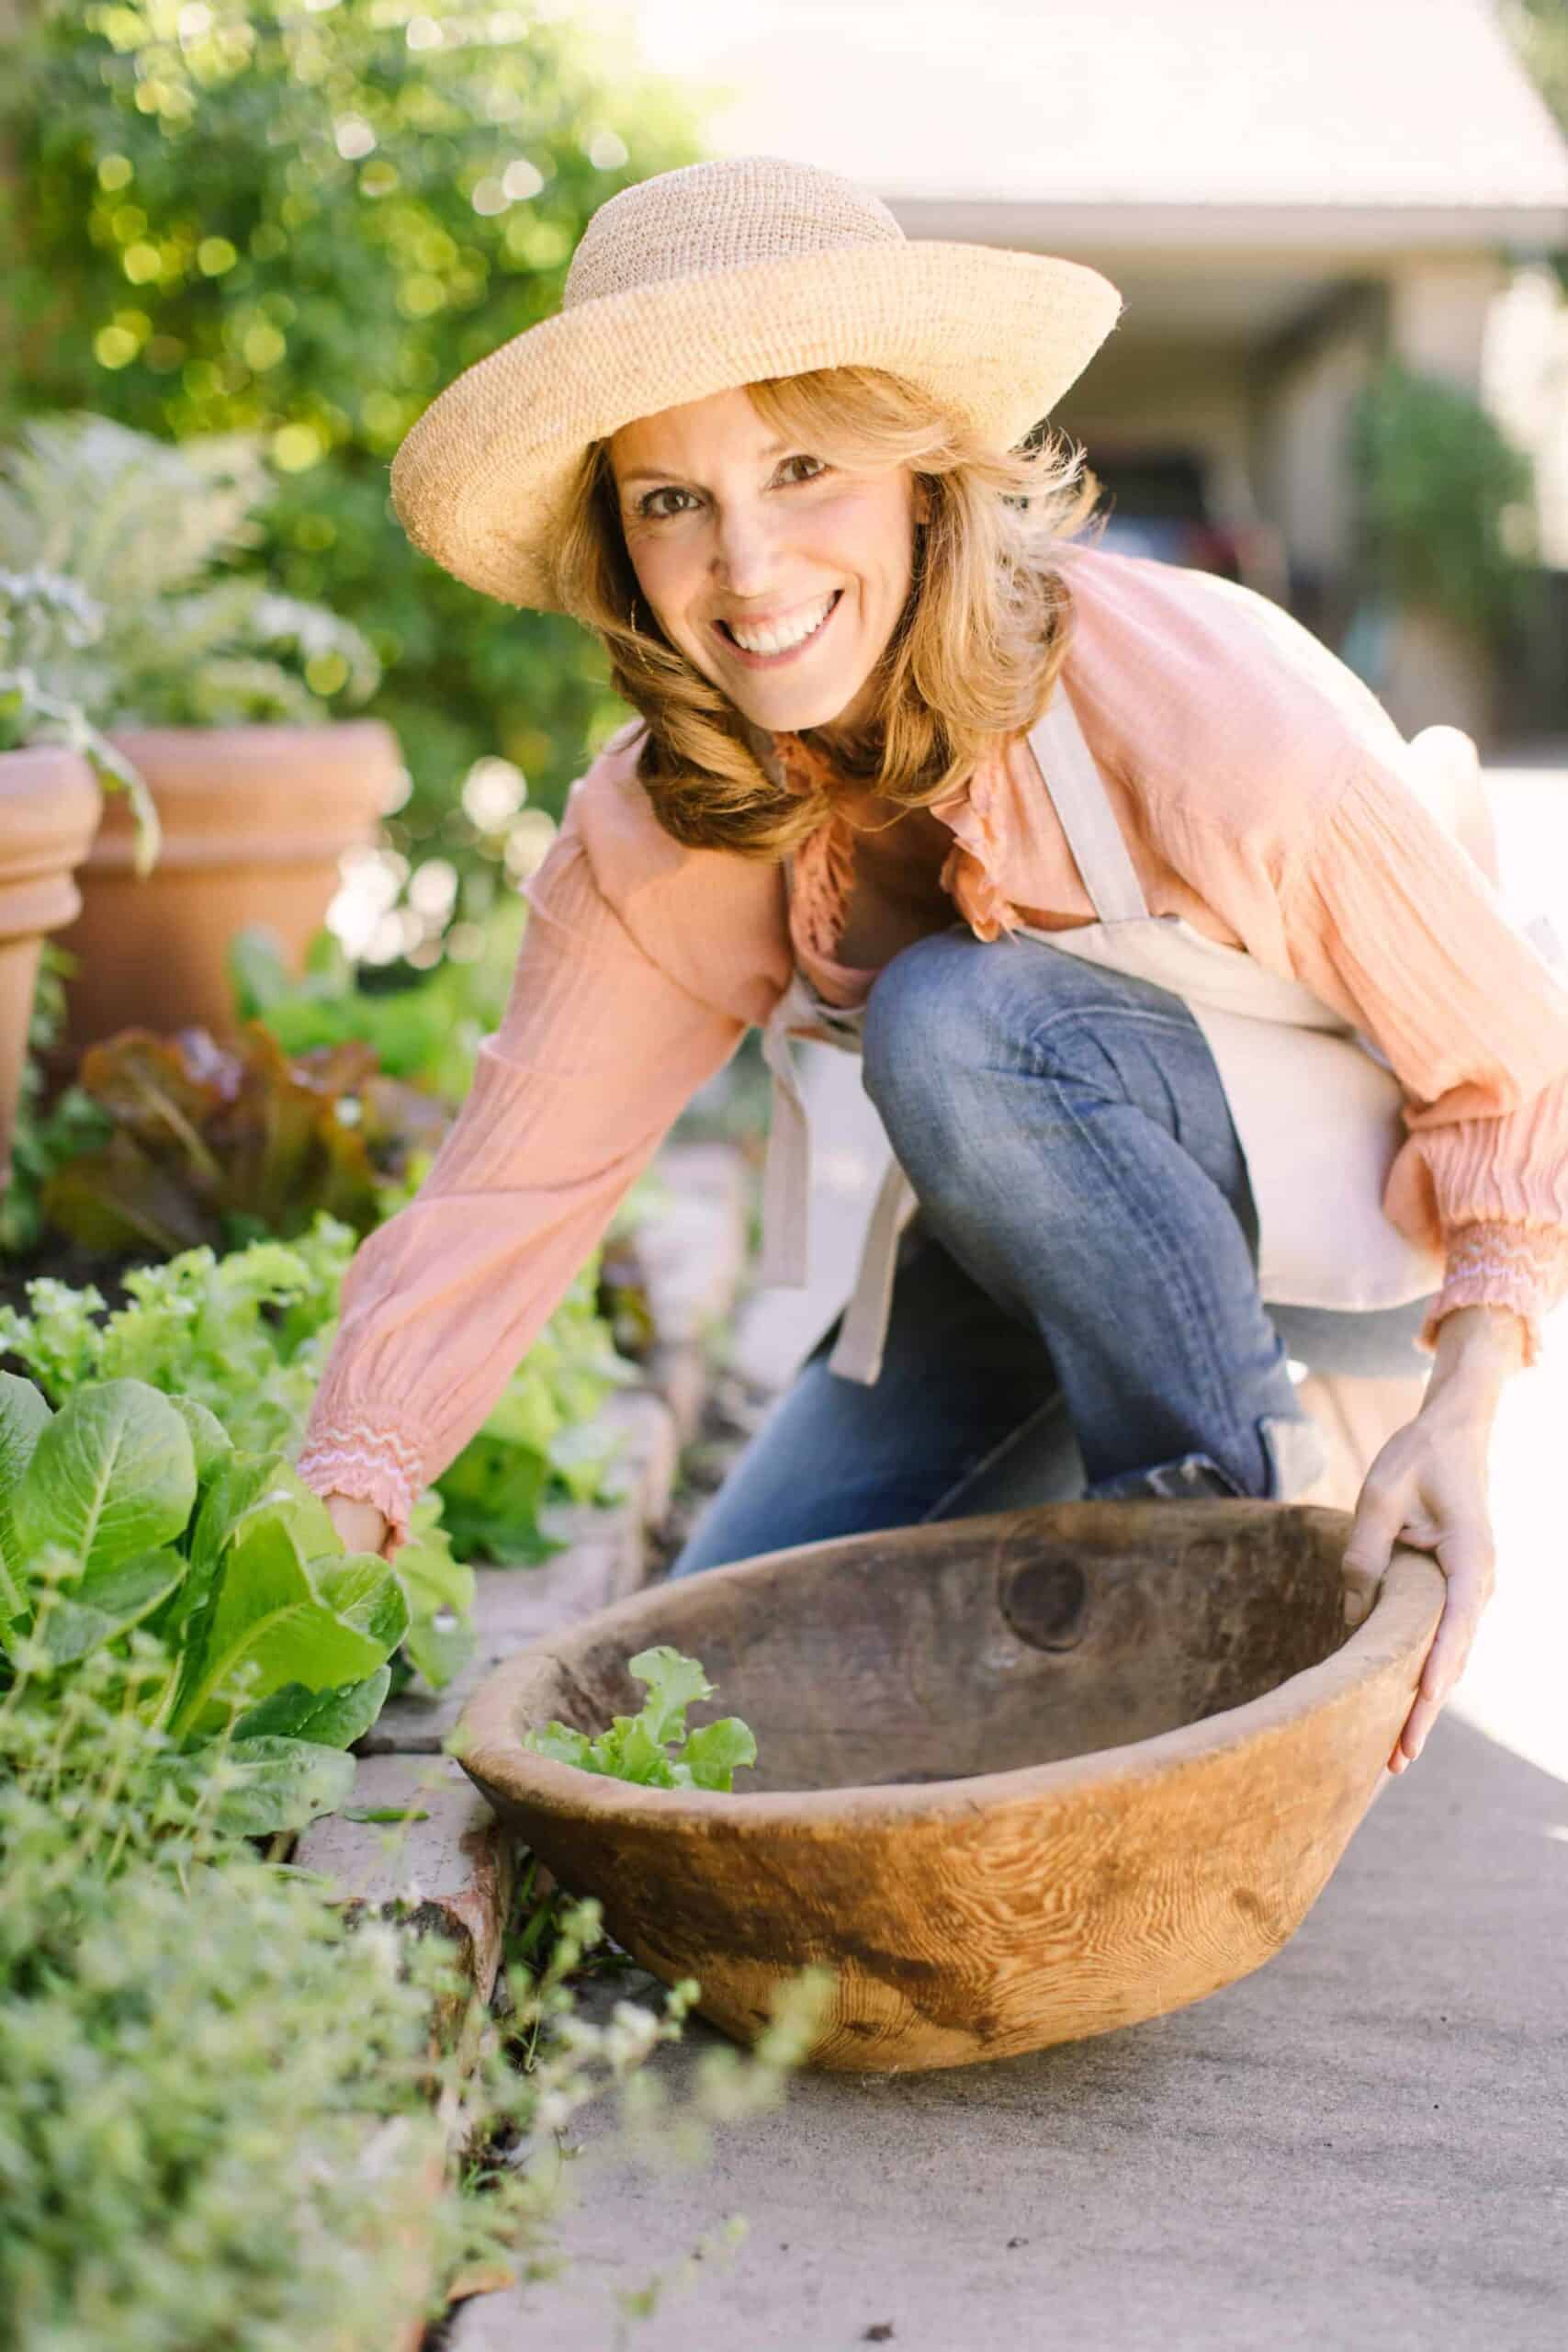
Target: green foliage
<point>223,2116</point>
<point>654,1747</point>
<point>1446,501</point>
<point>141,530</point>
<point>107,1524</point>
<point>542,1435</point>
<point>303,222</point>
<point>185,2037</point>
<point>243,1335</point>
<point>236,1343</point>
<point>427,1032</point>
<point>213,1143</point>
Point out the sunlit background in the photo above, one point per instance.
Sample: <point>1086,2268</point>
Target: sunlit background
<point>1340,226</point>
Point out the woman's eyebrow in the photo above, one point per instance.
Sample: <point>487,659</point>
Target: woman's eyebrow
<point>664,473</point>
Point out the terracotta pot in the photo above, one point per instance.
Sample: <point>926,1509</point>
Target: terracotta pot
<point>255,821</point>
<point>1021,1778</point>
<point>48,811</point>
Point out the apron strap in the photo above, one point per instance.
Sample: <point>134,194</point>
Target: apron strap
<point>857,1355</point>
<point>786,1171</point>
<point>1072,779</point>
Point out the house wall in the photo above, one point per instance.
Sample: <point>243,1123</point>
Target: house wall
<point>1150,393</point>
<point>1304,393</point>
<point>1438,307</point>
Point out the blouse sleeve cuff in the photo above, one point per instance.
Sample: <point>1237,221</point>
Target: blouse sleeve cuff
<point>1521,1267</point>
<point>369,1465</point>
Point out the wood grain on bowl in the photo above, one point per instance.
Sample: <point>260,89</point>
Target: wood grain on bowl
<point>1021,1778</point>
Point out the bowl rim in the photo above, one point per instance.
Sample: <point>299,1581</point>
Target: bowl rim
<point>1404,1612</point>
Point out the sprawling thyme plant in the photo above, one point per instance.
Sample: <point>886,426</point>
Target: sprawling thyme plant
<point>222,2119</point>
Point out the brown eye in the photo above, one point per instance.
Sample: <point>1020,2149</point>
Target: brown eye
<point>653,513</point>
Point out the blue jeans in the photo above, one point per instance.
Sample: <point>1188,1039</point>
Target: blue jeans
<point>1075,1308</point>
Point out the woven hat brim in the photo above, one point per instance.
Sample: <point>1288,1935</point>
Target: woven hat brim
<point>479,483</point>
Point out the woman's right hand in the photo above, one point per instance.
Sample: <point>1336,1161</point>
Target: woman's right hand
<point>362,1527</point>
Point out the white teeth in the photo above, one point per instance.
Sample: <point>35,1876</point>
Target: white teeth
<point>780,640</point>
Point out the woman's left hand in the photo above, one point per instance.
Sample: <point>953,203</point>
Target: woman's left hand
<point>1428,1489</point>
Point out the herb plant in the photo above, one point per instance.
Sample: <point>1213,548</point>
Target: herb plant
<point>128,1507</point>
<point>654,1747</point>
<point>155,536</point>
<point>46,622</point>
<point>224,2113</point>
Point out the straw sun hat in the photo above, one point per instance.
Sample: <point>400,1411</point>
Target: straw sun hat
<point>712,275</point>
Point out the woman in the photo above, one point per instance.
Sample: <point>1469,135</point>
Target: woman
<point>1118,881</point>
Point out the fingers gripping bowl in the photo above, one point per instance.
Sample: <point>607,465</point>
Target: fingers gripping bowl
<point>1021,1778</point>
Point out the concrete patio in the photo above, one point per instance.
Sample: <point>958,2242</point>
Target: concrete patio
<point>1361,2145</point>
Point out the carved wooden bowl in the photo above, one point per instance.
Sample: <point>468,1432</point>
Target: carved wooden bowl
<point>1022,1778</point>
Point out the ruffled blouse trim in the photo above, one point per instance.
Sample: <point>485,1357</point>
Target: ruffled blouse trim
<point>370,1464</point>
<point>822,870</point>
<point>821,884</point>
<point>973,867</point>
<point>823,873</point>
<point>1495,1262</point>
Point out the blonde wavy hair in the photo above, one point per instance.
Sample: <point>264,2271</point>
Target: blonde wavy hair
<point>971,657</point>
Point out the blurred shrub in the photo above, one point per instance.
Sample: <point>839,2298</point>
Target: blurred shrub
<point>304,220</point>
<point>1446,501</point>
<point>1539,31</point>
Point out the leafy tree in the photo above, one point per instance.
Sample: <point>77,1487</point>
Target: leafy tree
<point>301,218</point>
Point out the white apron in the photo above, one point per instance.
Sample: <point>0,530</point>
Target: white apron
<point>1316,1107</point>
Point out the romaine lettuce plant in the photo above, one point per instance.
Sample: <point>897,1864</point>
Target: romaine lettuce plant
<point>244,1337</point>
<point>133,1510</point>
<point>239,1339</point>
<point>654,1747</point>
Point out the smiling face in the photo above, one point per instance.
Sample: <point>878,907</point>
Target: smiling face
<point>779,577</point>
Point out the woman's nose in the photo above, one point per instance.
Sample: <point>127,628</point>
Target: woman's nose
<point>745,554</point>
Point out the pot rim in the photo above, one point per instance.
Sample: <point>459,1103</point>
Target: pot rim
<point>311,730</point>
<point>1402,1616</point>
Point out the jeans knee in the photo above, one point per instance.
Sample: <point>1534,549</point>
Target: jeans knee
<point>915,1024</point>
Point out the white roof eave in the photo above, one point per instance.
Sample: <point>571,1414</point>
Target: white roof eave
<point>1352,230</point>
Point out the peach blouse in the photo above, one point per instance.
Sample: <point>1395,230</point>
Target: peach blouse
<point>1260,788</point>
